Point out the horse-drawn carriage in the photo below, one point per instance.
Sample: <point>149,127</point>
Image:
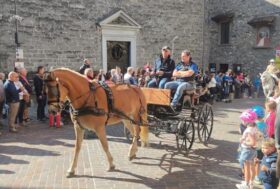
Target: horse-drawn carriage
<point>95,105</point>
<point>182,122</point>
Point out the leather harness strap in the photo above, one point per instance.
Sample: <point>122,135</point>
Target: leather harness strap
<point>112,111</point>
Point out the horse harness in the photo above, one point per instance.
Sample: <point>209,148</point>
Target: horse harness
<point>112,110</point>
<point>93,110</point>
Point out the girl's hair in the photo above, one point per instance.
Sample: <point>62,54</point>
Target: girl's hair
<point>251,124</point>
<point>269,142</point>
<point>271,105</point>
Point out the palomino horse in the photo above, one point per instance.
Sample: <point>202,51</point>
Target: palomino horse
<point>92,110</point>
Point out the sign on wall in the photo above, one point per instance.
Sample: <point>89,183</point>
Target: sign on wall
<point>19,64</point>
<point>19,53</point>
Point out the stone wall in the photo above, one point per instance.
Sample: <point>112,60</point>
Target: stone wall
<point>63,32</point>
<point>241,49</point>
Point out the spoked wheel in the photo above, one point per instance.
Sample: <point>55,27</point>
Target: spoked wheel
<point>205,123</point>
<point>185,135</point>
<point>154,124</point>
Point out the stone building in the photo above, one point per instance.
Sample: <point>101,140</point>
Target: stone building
<point>131,32</point>
<point>251,33</point>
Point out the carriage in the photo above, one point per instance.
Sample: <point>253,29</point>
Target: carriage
<point>192,116</point>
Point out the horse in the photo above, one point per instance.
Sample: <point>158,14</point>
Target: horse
<point>269,84</point>
<point>92,110</point>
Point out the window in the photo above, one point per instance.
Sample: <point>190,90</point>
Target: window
<point>263,37</point>
<point>237,68</point>
<point>225,32</point>
<point>262,26</point>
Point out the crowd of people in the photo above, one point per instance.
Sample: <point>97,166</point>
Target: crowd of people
<point>164,74</point>
<point>15,101</point>
<point>258,156</point>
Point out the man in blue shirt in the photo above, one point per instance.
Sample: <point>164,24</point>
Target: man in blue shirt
<point>12,99</point>
<point>163,69</point>
<point>184,73</point>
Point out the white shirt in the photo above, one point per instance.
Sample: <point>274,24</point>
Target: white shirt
<point>212,83</point>
<point>18,84</point>
<point>126,77</point>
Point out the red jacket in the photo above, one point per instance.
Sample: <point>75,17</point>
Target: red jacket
<point>270,122</point>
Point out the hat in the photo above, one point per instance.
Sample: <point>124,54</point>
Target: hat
<point>272,61</point>
<point>166,48</point>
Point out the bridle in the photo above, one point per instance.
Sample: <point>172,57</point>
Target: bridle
<point>58,103</point>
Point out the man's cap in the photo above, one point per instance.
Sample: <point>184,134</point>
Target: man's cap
<point>272,61</point>
<point>166,48</point>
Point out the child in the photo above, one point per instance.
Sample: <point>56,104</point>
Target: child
<point>268,165</point>
<point>270,119</point>
<point>55,120</point>
<point>248,152</point>
<point>261,125</point>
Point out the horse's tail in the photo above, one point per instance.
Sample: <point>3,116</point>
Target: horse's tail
<point>144,133</point>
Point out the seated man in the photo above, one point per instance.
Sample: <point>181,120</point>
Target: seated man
<point>163,69</point>
<point>184,73</point>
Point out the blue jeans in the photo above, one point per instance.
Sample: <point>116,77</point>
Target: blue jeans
<point>247,154</point>
<point>153,83</point>
<point>180,86</point>
<point>270,185</point>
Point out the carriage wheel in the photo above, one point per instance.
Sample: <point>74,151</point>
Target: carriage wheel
<point>205,123</point>
<point>154,126</point>
<point>185,135</point>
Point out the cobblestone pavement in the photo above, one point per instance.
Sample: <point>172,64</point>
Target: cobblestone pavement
<point>39,156</point>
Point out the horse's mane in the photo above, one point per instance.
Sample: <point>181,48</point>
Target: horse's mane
<point>67,69</point>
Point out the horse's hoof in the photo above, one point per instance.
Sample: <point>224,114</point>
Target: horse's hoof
<point>145,144</point>
<point>70,174</point>
<point>112,168</point>
<point>132,157</point>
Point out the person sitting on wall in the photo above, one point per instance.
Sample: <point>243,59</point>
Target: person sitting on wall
<point>163,69</point>
<point>184,73</point>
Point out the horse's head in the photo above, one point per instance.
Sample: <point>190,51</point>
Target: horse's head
<point>56,92</point>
